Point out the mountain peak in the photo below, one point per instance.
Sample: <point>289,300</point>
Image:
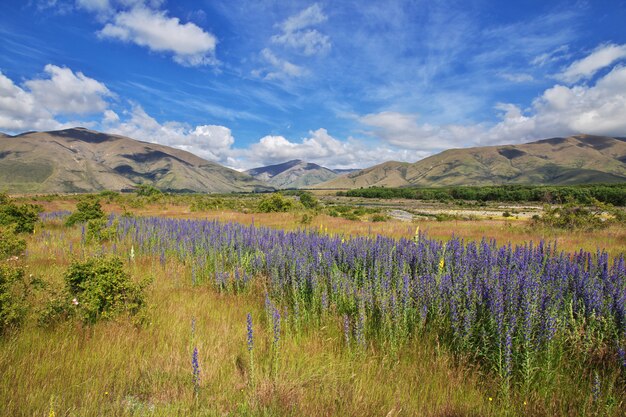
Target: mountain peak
<point>83,134</point>
<point>83,160</point>
<point>292,174</point>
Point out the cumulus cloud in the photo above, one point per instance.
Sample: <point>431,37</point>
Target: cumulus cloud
<point>35,106</point>
<point>559,110</point>
<point>320,147</point>
<point>211,142</point>
<point>155,30</point>
<point>601,57</point>
<point>297,34</point>
<point>67,92</point>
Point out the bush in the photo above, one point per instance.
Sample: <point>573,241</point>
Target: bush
<point>10,244</point>
<point>308,200</point>
<point>275,203</point>
<point>572,216</point>
<point>306,219</point>
<point>23,217</point>
<point>97,230</point>
<point>102,289</point>
<point>379,218</point>
<point>147,190</point>
<point>13,293</point>
<point>88,209</point>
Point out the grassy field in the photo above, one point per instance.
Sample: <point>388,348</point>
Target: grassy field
<point>144,366</point>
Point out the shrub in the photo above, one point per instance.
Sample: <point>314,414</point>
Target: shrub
<point>88,209</point>
<point>10,243</point>
<point>102,289</point>
<point>12,296</point>
<point>379,218</point>
<point>275,203</point>
<point>147,190</point>
<point>22,217</point>
<point>306,219</point>
<point>308,200</point>
<point>572,216</point>
<point>97,230</point>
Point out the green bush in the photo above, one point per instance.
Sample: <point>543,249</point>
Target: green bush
<point>573,216</point>
<point>22,217</point>
<point>308,200</point>
<point>101,289</point>
<point>306,219</point>
<point>88,209</point>
<point>275,203</point>
<point>147,190</point>
<point>12,304</point>
<point>10,243</point>
<point>379,218</point>
<point>97,230</point>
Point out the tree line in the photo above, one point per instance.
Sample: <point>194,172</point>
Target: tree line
<point>583,194</point>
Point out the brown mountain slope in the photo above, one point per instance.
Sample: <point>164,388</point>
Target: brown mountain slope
<point>81,160</point>
<point>572,160</point>
<point>292,174</point>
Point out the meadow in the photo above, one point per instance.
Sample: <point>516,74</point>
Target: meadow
<point>248,313</point>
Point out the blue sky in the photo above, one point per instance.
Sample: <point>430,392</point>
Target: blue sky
<point>341,83</point>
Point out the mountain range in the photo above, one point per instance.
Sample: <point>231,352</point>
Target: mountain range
<point>82,160</point>
<point>556,161</point>
<point>295,174</point>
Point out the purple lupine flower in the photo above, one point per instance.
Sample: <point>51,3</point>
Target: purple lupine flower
<point>250,334</point>
<point>276,326</point>
<point>595,389</point>
<point>195,365</point>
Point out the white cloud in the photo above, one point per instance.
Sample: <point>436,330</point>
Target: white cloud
<point>35,106</point>
<point>558,54</point>
<point>601,57</point>
<point>310,16</point>
<point>66,92</point>
<point>281,68</point>
<point>153,29</point>
<point>323,149</point>
<point>560,110</point>
<point>207,141</point>
<point>18,109</point>
<point>110,117</point>
<point>296,32</point>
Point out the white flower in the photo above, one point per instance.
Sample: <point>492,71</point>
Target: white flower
<point>75,301</point>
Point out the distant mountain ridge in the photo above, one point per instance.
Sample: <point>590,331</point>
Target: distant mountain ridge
<point>555,161</point>
<point>82,160</point>
<point>294,174</point>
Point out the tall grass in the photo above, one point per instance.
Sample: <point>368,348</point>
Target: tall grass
<point>390,360</point>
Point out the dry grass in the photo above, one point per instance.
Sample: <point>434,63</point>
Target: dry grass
<point>117,368</point>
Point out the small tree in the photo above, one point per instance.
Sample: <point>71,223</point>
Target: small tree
<point>147,190</point>
<point>102,289</point>
<point>21,217</point>
<point>10,243</point>
<point>275,203</point>
<point>12,304</point>
<point>308,200</point>
<point>88,209</point>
